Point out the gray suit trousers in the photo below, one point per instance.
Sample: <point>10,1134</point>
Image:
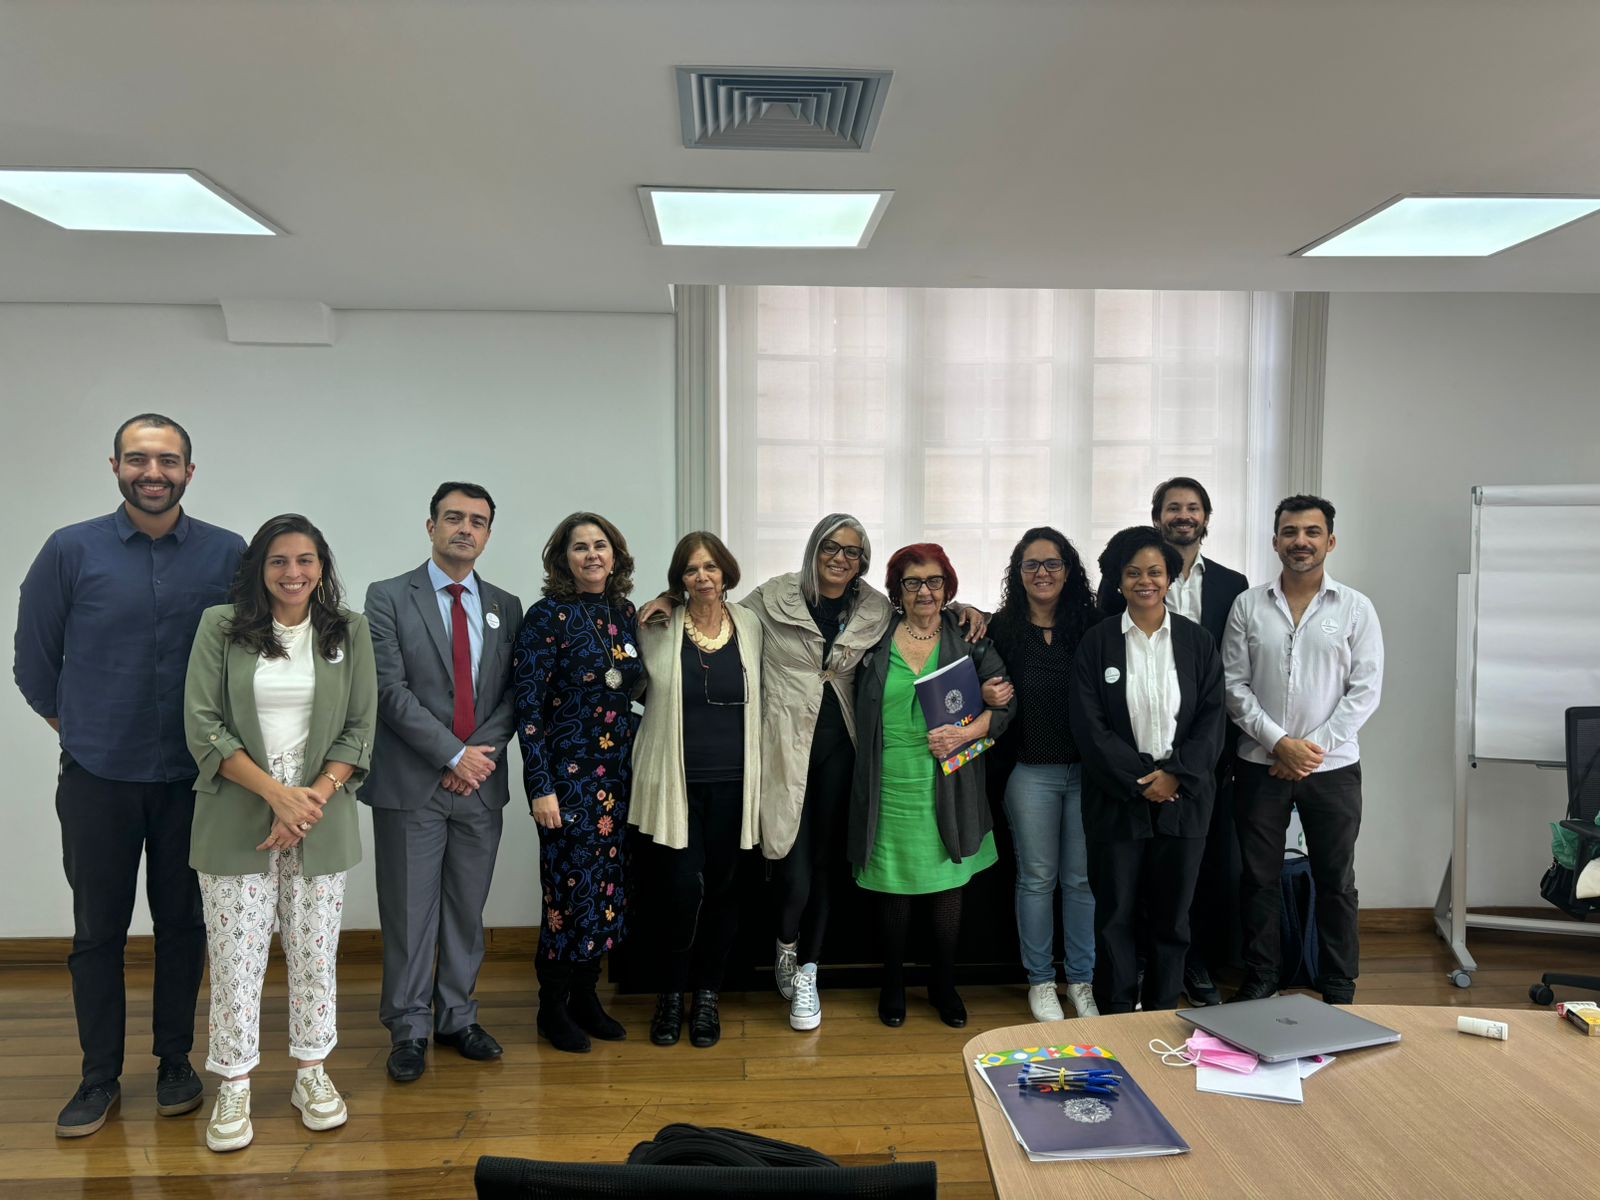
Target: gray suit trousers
<point>434,865</point>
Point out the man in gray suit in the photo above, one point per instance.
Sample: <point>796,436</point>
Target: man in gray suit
<point>443,639</point>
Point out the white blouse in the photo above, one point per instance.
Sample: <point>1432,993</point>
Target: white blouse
<point>1152,690</point>
<point>284,688</point>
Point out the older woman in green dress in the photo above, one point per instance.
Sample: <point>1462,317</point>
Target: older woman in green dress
<point>915,831</point>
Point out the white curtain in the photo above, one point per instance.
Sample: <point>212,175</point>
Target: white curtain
<point>964,416</point>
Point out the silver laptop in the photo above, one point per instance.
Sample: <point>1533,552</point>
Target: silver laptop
<point>1290,1026</point>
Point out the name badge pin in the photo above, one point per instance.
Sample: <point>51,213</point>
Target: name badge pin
<point>337,656</point>
<point>1112,674</point>
<point>492,620</point>
<point>630,650</point>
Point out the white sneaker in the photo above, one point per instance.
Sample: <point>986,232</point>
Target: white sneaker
<point>1082,997</point>
<point>229,1127</point>
<point>321,1106</point>
<point>784,967</point>
<point>805,1010</point>
<point>1043,1002</point>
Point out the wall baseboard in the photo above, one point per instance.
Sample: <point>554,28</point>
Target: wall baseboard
<point>510,942</point>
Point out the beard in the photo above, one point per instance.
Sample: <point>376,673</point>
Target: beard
<point>154,505</point>
<point>1185,537</point>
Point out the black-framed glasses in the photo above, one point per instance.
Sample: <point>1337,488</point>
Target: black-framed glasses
<point>934,583</point>
<point>1050,566</point>
<point>832,549</point>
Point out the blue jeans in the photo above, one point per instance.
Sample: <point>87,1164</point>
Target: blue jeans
<point>1045,807</point>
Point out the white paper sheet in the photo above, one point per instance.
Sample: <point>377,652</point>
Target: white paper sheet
<point>1279,1082</point>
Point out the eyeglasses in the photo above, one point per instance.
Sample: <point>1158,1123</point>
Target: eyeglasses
<point>1050,566</point>
<point>934,583</point>
<point>833,550</point>
<point>705,683</point>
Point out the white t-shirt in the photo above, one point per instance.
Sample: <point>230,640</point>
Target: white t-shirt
<point>284,688</point>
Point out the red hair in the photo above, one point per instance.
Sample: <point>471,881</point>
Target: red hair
<point>920,554</point>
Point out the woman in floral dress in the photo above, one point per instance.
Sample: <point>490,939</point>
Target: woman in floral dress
<point>576,668</point>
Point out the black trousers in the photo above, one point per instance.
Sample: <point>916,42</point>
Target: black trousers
<point>1330,813</point>
<point>106,827</point>
<point>1214,914</point>
<point>695,900</point>
<point>1152,878</point>
<point>804,876</point>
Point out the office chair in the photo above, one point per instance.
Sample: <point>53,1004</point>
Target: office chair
<point>1583,804</point>
<point>526,1179</point>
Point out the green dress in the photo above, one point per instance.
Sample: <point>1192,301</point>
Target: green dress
<point>908,856</point>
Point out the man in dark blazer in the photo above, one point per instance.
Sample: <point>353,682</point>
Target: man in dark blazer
<point>442,638</point>
<point>1205,592</point>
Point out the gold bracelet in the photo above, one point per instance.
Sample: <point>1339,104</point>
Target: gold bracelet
<point>338,784</point>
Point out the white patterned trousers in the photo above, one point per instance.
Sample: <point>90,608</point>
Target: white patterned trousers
<point>240,914</point>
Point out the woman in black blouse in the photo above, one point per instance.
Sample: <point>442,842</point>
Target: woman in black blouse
<point>1147,716</point>
<point>1044,610</point>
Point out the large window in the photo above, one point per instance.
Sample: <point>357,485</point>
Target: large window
<point>963,416</point>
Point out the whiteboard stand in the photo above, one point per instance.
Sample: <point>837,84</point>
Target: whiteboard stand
<point>1451,916</point>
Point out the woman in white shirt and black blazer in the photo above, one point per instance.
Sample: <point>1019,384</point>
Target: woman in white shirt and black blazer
<point>1147,714</point>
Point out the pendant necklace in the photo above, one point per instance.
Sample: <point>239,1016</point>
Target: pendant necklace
<point>613,675</point>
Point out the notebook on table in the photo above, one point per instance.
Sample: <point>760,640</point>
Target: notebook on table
<point>1291,1026</point>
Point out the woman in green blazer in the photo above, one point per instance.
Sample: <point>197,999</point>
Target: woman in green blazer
<point>279,710</point>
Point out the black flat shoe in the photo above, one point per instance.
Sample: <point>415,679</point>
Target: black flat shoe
<point>950,1009</point>
<point>1255,987</point>
<point>408,1059</point>
<point>557,1027</point>
<point>667,1024</point>
<point>1198,986</point>
<point>472,1042</point>
<point>892,1007</point>
<point>705,1023</point>
<point>594,1020</point>
<point>178,1088</point>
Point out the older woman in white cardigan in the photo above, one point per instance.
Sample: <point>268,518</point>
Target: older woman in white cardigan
<point>697,779</point>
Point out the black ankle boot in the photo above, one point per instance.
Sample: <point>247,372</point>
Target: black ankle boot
<point>667,1024</point>
<point>705,1023</point>
<point>584,1004</point>
<point>555,1023</point>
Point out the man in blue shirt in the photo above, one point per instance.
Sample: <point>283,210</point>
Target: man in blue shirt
<point>107,614</point>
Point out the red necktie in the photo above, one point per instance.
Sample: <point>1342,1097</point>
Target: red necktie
<point>461,658</point>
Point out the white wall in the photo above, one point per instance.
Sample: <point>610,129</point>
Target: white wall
<point>551,412</point>
<point>1428,395</point>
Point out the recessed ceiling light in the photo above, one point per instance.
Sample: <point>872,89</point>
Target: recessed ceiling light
<point>129,201</point>
<point>1450,226</point>
<point>771,218</point>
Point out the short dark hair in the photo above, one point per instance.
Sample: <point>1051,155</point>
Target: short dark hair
<point>1120,551</point>
<point>918,552</point>
<point>701,539</point>
<point>1159,496</point>
<point>160,422</point>
<point>1302,503</point>
<point>558,581</point>
<point>474,490</point>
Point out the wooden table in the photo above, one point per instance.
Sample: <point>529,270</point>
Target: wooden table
<point>1440,1114</point>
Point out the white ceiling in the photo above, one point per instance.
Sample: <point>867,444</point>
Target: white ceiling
<point>484,153</point>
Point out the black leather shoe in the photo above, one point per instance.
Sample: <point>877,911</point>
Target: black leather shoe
<point>408,1059</point>
<point>705,1023</point>
<point>1198,986</point>
<point>472,1042</point>
<point>1255,987</point>
<point>892,1006</point>
<point>666,1026</point>
<point>951,1011</point>
<point>178,1088</point>
<point>88,1109</point>
<point>1338,991</point>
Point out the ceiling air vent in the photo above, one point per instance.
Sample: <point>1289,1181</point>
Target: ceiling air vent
<point>780,108</point>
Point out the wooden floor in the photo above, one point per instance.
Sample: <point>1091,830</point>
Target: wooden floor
<point>854,1089</point>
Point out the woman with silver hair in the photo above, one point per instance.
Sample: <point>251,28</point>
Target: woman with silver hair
<point>817,623</point>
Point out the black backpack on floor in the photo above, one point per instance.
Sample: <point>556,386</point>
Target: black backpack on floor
<point>1297,952</point>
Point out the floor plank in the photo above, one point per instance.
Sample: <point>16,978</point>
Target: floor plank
<point>854,1089</point>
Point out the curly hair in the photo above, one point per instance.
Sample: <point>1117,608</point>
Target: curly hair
<point>558,581</point>
<point>1120,551</point>
<point>251,623</point>
<point>1075,606</point>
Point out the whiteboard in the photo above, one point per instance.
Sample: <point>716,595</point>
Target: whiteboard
<point>1536,574</point>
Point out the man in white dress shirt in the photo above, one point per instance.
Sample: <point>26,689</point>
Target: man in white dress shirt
<point>1303,668</point>
<point>1181,509</point>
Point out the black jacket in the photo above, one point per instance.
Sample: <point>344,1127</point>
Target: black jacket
<point>1219,588</point>
<point>1114,807</point>
<point>960,799</point>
